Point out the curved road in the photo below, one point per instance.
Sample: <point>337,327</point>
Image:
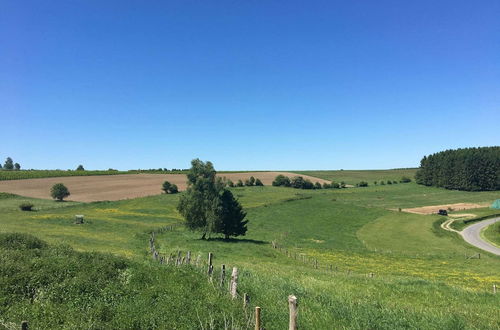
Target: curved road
<point>472,236</point>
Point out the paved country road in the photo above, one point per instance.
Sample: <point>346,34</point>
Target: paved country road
<point>472,236</point>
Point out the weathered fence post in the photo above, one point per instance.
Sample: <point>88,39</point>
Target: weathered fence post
<point>246,300</point>
<point>178,261</point>
<point>234,282</point>
<point>188,258</point>
<point>24,325</point>
<point>210,267</point>
<point>292,303</point>
<point>257,318</point>
<point>222,275</point>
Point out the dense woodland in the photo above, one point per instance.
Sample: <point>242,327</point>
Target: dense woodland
<point>470,169</point>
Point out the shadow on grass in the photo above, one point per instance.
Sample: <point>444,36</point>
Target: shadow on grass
<point>234,240</point>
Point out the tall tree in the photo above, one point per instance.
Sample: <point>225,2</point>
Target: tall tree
<point>17,167</point>
<point>228,215</point>
<point>9,164</point>
<point>196,204</point>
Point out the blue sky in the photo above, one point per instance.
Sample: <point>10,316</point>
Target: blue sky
<point>246,84</point>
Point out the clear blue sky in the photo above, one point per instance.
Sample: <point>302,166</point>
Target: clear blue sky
<point>246,84</point>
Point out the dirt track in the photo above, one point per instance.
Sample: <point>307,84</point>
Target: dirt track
<point>116,187</point>
<point>435,208</point>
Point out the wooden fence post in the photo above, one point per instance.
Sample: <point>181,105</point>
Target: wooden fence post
<point>234,282</point>
<point>257,318</point>
<point>188,258</point>
<point>246,300</point>
<point>210,267</point>
<point>222,275</point>
<point>292,303</point>
<point>24,325</point>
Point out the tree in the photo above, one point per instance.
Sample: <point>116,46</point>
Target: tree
<point>317,185</point>
<point>326,185</point>
<point>281,180</point>
<point>239,183</point>
<point>252,181</point>
<point>166,186</point>
<point>59,191</point>
<point>80,168</point>
<point>258,182</point>
<point>196,204</point>
<point>1,167</point>
<point>173,189</point>
<point>362,184</point>
<point>9,164</point>
<point>228,215</point>
<point>230,183</point>
<point>17,167</point>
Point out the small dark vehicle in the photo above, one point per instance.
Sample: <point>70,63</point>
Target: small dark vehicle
<point>443,212</point>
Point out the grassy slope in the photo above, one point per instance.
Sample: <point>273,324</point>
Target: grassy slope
<point>355,176</point>
<point>422,279</point>
<point>492,233</point>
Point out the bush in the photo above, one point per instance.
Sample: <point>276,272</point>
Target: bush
<point>239,183</point>
<point>389,182</point>
<point>405,179</point>
<point>230,183</point>
<point>166,187</point>
<point>59,191</point>
<point>327,186</point>
<point>362,184</point>
<point>258,182</point>
<point>382,183</point>
<point>173,189</point>
<point>26,206</point>
<point>335,185</point>
<point>317,185</point>
<point>281,181</point>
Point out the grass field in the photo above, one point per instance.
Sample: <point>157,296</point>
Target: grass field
<point>492,234</point>
<point>356,176</point>
<point>422,278</point>
<point>38,174</point>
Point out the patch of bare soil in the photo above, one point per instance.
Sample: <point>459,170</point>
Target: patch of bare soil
<point>435,208</point>
<point>121,186</point>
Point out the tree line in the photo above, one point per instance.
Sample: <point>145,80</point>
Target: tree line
<point>299,182</point>
<point>9,165</point>
<point>470,169</point>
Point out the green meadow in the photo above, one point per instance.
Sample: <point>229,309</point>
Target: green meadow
<point>329,242</point>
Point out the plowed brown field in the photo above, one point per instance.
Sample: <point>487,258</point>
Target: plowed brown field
<point>116,187</point>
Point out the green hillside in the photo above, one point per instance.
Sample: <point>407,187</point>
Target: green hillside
<point>421,276</point>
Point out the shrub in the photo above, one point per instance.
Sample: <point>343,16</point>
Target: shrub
<point>281,181</point>
<point>258,182</point>
<point>230,183</point>
<point>375,182</point>
<point>327,186</point>
<point>59,191</point>
<point>362,184</point>
<point>166,186</point>
<point>317,185</point>
<point>405,179</point>
<point>239,183</point>
<point>173,189</point>
<point>382,183</point>
<point>389,182</point>
<point>394,182</point>
<point>335,185</point>
<point>26,206</point>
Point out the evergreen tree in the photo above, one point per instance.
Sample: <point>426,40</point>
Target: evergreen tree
<point>258,182</point>
<point>228,215</point>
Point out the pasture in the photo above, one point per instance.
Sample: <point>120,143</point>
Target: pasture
<point>423,278</point>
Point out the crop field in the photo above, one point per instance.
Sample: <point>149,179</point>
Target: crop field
<point>423,276</point>
<point>118,187</point>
